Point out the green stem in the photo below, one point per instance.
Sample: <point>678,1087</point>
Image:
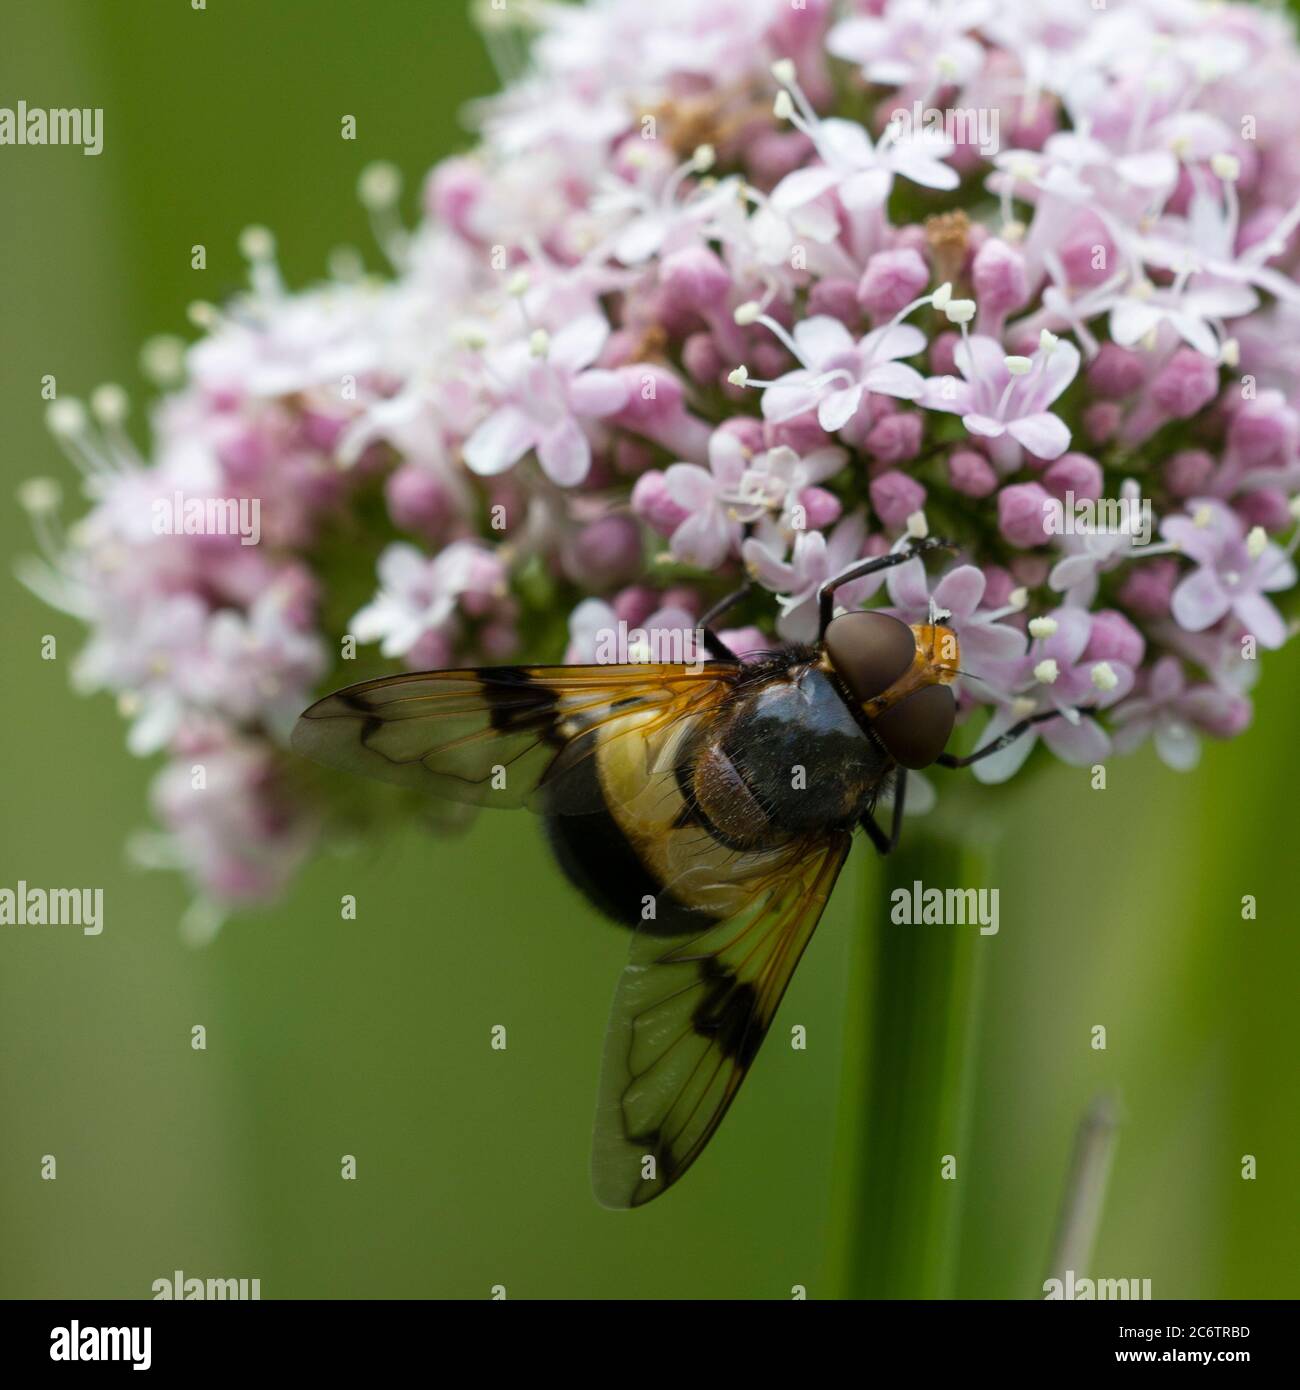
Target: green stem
<point>908,1076</point>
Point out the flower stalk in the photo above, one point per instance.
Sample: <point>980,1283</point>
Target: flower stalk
<point>908,1079</point>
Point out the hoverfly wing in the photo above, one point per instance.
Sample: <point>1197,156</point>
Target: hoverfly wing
<point>493,737</point>
<point>692,1008</point>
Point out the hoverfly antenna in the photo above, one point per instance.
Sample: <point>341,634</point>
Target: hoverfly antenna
<point>936,615</point>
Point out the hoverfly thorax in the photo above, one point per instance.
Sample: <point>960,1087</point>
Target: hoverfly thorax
<point>899,676</point>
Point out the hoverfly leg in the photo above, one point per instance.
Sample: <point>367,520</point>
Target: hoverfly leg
<point>714,644</point>
<point>887,844</point>
<point>826,594</point>
<point>1013,733</point>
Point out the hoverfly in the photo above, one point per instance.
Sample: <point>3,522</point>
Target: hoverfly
<point>709,808</point>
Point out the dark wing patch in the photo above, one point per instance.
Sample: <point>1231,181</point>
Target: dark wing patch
<point>493,737</point>
<point>691,1011</point>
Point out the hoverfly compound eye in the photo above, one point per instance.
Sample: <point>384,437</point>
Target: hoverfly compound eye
<point>870,651</point>
<point>916,729</point>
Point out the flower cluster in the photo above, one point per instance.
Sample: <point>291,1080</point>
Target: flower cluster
<point>727,290</point>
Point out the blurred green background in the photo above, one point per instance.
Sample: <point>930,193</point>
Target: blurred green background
<point>371,1037</point>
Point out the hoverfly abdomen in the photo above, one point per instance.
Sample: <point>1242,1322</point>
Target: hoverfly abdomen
<point>723,799</point>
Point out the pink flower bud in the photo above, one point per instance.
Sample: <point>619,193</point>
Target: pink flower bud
<point>821,508</point>
<point>655,409</point>
<point>910,237</point>
<point>632,457</point>
<point>1115,372</point>
<point>1088,259</point>
<point>837,298</point>
<point>891,280</point>
<point>1187,383</point>
<point>942,349</point>
<point>1022,513</point>
<point>748,431</point>
<point>418,501</point>
<point>694,278</point>
<point>701,358</point>
<point>634,604</point>
<point>1264,431</point>
<point>1113,638</point>
<point>1188,472</point>
<point>322,431</point>
<point>651,502</point>
<point>998,274</point>
<point>1223,717</point>
<point>681,596</point>
<point>971,473</point>
<point>895,496</point>
<point>745,641</point>
<point>1030,571</point>
<point>1148,586</point>
<point>773,154</point>
<point>1266,507</point>
<point>802,434</point>
<point>451,193</point>
<point>769,359</point>
<point>999,584</point>
<point>244,454</point>
<point>605,552</point>
<point>896,438</point>
<point>1076,473</point>
<point>485,584</point>
<point>1101,421</point>
<point>432,651</point>
<point>1037,120</point>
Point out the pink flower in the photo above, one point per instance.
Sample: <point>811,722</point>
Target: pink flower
<point>709,529</point>
<point>1233,572</point>
<point>814,559</point>
<point>1171,715</point>
<point>1056,675</point>
<point>912,41</point>
<point>597,635</point>
<point>861,173</point>
<point>891,281</point>
<point>836,372</point>
<point>1022,513</point>
<point>1004,400</point>
<point>546,393</point>
<point>420,595</point>
<point>896,496</point>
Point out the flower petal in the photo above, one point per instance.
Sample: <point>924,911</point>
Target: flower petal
<point>1262,619</point>
<point>565,453</point>
<point>1199,601</point>
<point>500,441</point>
<point>1046,435</point>
<point>895,379</point>
<point>598,393</point>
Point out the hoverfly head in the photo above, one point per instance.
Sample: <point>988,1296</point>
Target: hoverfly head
<point>900,675</point>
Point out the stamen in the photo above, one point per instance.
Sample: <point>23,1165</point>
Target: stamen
<point>162,359</point>
<point>1104,677</point>
<point>378,189</point>
<point>257,246</point>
